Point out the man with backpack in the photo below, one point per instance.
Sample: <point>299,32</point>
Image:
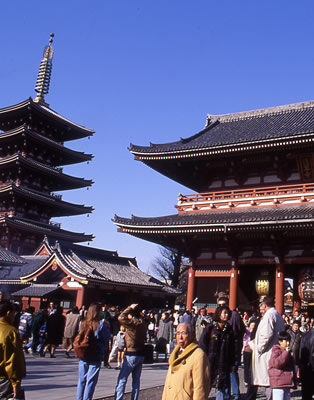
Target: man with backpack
<point>25,325</point>
<point>135,335</point>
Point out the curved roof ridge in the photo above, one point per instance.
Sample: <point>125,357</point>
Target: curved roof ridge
<point>57,172</point>
<point>56,114</point>
<point>261,112</point>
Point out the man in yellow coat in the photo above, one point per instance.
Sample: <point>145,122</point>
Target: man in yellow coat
<point>188,374</point>
<point>12,362</point>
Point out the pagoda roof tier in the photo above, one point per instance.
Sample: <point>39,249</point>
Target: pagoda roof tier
<point>51,230</point>
<point>169,230</point>
<point>230,135</point>
<point>62,181</point>
<point>56,206</point>
<point>65,156</point>
<point>28,110</point>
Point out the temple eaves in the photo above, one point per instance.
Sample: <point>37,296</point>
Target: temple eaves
<point>44,74</point>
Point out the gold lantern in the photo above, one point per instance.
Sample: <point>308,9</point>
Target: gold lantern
<point>262,287</point>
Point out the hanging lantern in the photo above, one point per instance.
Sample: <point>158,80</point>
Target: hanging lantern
<point>306,285</point>
<point>262,287</point>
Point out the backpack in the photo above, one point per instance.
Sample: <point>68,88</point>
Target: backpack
<point>84,343</point>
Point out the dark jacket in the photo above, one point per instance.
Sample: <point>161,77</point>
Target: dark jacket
<point>295,344</point>
<point>135,334</point>
<point>218,344</point>
<point>307,351</point>
<point>102,335</point>
<point>238,329</point>
<point>55,328</point>
<point>281,368</point>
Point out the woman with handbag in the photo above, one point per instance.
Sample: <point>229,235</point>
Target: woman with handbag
<point>89,366</point>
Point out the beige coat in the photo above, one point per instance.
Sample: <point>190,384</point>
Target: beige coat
<point>266,337</point>
<point>188,375</point>
<point>12,362</point>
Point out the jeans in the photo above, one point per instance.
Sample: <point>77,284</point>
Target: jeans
<point>88,377</point>
<point>130,364</point>
<point>223,394</point>
<point>281,394</point>
<point>234,381</point>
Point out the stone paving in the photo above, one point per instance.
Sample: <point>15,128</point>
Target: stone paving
<point>56,379</point>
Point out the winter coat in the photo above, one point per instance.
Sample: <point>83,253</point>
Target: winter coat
<point>165,330</point>
<point>281,368</point>
<point>295,339</point>
<point>188,375</point>
<point>135,334</point>
<point>71,325</point>
<point>39,318</point>
<point>266,337</point>
<point>238,329</point>
<point>55,328</point>
<point>307,351</point>
<point>12,362</point>
<point>218,344</point>
<point>25,325</point>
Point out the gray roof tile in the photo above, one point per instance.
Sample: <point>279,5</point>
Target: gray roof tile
<point>239,128</point>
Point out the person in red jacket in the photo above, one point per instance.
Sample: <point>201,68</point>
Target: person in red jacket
<point>281,368</point>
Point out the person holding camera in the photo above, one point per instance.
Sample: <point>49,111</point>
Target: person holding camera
<point>135,335</point>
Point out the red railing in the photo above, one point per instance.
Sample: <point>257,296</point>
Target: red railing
<point>266,196</point>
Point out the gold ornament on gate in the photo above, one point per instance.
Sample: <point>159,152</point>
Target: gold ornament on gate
<point>262,287</point>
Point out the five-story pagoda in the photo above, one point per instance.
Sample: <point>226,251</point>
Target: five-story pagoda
<point>32,154</point>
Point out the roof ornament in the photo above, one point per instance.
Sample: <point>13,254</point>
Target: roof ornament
<point>44,74</point>
<point>208,120</point>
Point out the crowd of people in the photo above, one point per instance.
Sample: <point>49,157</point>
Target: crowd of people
<point>205,350</point>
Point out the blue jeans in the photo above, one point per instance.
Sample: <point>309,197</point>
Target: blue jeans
<point>223,394</point>
<point>281,394</point>
<point>130,364</point>
<point>234,381</point>
<point>88,377</point>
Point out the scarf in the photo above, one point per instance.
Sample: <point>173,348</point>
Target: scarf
<point>175,361</point>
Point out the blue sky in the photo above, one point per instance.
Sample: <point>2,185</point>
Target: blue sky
<point>149,71</point>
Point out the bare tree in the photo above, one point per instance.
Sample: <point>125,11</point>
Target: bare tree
<point>170,266</point>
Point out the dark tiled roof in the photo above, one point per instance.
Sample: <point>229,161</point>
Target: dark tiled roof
<point>57,206</point>
<point>15,272</point>
<point>45,229</point>
<point>242,128</point>
<point>7,257</point>
<point>74,131</point>
<point>103,266</point>
<point>84,262</point>
<point>67,181</point>
<point>304,213</point>
<point>36,290</point>
<point>69,156</point>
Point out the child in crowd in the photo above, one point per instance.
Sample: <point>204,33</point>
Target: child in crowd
<point>281,368</point>
<point>120,342</point>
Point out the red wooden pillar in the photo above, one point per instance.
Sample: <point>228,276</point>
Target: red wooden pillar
<point>80,297</point>
<point>191,286</point>
<point>296,297</point>
<point>279,287</point>
<point>233,288</point>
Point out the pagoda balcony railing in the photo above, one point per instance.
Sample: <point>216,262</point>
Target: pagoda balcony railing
<point>246,198</point>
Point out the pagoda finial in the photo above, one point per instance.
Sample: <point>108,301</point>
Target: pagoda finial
<point>44,74</point>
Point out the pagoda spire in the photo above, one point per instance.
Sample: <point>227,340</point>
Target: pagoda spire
<point>44,74</point>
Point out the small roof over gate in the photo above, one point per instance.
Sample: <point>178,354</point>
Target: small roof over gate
<point>36,290</point>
